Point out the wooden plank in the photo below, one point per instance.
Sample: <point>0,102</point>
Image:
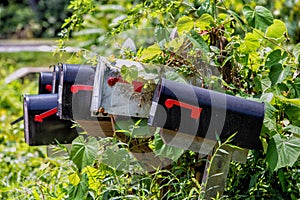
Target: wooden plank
<point>216,172</point>
<point>24,71</point>
<point>97,127</point>
<point>217,168</point>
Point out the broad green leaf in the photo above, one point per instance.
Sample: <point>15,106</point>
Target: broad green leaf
<point>251,43</point>
<point>198,41</point>
<point>277,30</point>
<point>259,18</point>
<point>184,24</point>
<point>151,52</point>
<point>84,151</point>
<point>79,191</point>
<point>267,97</point>
<point>273,58</point>
<point>175,44</point>
<point>287,151</point>
<point>278,73</point>
<point>204,22</point>
<point>265,83</point>
<point>293,113</point>
<point>129,73</point>
<point>293,129</point>
<point>165,150</point>
<point>272,155</point>
<point>296,86</point>
<point>269,119</point>
<point>296,52</point>
<point>116,158</point>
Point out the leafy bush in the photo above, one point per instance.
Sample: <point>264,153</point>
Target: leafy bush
<point>28,19</point>
<point>252,52</point>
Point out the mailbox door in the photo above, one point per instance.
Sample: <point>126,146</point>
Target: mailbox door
<point>113,95</point>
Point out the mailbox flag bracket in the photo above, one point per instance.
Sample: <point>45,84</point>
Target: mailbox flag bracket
<point>40,117</point>
<point>196,111</point>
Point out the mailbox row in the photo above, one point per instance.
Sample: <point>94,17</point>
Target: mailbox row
<point>97,93</point>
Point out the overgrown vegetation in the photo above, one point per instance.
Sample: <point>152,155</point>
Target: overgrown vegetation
<point>31,19</point>
<point>255,55</point>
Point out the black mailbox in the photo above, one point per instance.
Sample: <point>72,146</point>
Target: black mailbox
<point>41,124</point>
<point>204,113</point>
<point>45,83</point>
<point>75,91</point>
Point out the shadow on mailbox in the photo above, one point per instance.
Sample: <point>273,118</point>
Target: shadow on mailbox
<point>204,113</point>
<point>41,125</point>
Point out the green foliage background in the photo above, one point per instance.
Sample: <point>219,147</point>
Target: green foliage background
<point>255,47</point>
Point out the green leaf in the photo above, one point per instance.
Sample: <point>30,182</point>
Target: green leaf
<point>283,151</point>
<point>184,24</point>
<point>84,151</point>
<point>175,44</point>
<point>293,129</point>
<point>79,191</point>
<point>198,41</point>
<point>252,42</point>
<point>269,119</point>
<point>164,150</point>
<point>74,179</point>
<point>265,83</point>
<point>259,18</point>
<point>278,73</point>
<point>205,21</point>
<point>277,30</point>
<point>267,97</point>
<point>273,58</point>
<point>151,52</point>
<point>129,73</point>
<point>296,52</point>
<point>293,113</point>
<point>116,158</point>
<point>272,155</point>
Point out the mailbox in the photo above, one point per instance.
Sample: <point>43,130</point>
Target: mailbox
<point>45,82</point>
<point>41,125</point>
<point>75,90</point>
<point>204,113</point>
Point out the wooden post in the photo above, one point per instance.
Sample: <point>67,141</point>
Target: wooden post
<point>217,168</point>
